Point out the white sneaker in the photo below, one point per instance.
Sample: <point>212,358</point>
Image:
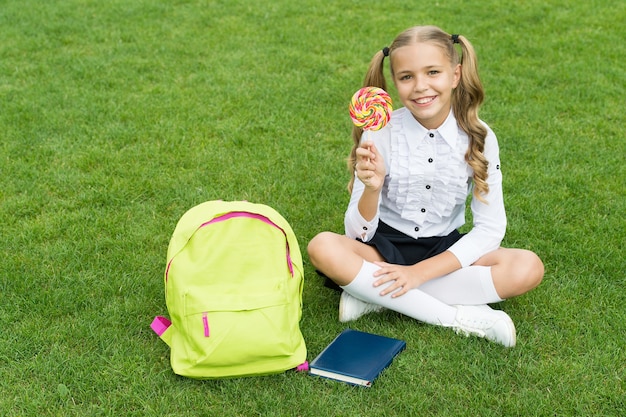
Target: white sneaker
<point>351,308</point>
<point>483,321</point>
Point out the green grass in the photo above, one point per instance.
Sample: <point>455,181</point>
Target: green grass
<point>118,116</point>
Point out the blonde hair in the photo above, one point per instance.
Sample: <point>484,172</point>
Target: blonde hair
<point>466,97</point>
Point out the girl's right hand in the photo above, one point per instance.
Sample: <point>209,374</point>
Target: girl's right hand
<point>370,166</point>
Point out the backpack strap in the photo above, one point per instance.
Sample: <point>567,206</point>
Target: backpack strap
<point>303,367</point>
<point>163,328</point>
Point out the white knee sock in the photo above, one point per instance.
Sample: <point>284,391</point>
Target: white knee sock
<point>415,303</point>
<point>467,286</point>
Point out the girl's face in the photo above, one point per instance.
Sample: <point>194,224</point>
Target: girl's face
<point>425,78</point>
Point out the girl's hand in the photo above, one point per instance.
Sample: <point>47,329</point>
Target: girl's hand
<point>370,166</point>
<point>401,278</point>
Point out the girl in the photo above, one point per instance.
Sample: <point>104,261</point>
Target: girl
<point>402,250</point>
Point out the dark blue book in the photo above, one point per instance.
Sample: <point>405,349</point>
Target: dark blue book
<point>356,357</point>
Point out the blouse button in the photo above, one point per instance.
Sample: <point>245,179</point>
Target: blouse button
<point>432,135</point>
<point>428,187</point>
<point>417,229</point>
<point>423,210</point>
<point>430,160</point>
<point>364,227</point>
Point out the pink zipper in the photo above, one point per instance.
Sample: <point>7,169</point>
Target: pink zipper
<point>205,322</point>
<point>235,214</point>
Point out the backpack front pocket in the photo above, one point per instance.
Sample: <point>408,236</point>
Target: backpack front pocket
<point>256,333</point>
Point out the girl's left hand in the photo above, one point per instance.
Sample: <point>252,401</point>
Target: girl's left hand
<point>402,279</point>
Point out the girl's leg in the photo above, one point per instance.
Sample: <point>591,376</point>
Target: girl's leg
<point>349,263</point>
<point>414,303</point>
<point>467,286</point>
<point>339,257</point>
<point>514,271</point>
<point>480,321</point>
<point>503,273</point>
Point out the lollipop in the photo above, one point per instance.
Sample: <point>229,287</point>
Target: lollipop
<point>370,108</point>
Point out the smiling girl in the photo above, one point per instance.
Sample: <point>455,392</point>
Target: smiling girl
<point>402,249</point>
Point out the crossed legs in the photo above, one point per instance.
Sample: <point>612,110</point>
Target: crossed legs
<point>501,274</point>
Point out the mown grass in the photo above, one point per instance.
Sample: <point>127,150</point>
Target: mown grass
<point>116,117</point>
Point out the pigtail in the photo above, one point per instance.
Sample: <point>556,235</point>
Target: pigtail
<point>467,98</point>
<point>373,78</point>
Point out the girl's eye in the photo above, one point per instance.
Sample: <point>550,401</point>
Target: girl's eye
<point>433,72</point>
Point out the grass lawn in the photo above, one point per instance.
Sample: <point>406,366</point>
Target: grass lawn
<point>118,116</point>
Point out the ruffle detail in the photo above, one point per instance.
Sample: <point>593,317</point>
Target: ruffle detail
<point>448,175</point>
<point>455,180</point>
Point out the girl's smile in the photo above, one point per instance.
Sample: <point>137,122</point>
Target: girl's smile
<point>425,101</point>
<point>425,79</point>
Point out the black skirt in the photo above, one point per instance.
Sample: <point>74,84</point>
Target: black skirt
<point>397,248</point>
<point>400,249</point>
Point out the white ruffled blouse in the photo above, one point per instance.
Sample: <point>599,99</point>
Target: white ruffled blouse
<point>427,185</point>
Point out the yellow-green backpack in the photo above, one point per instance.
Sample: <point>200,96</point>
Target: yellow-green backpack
<point>233,290</point>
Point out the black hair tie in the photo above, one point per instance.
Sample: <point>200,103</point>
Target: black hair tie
<point>386,51</point>
<point>455,39</point>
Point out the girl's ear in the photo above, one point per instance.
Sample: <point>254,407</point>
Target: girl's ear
<point>457,75</point>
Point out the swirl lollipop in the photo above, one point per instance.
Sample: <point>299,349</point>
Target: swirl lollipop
<point>370,108</point>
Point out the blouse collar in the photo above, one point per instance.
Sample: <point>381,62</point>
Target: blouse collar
<point>448,130</point>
